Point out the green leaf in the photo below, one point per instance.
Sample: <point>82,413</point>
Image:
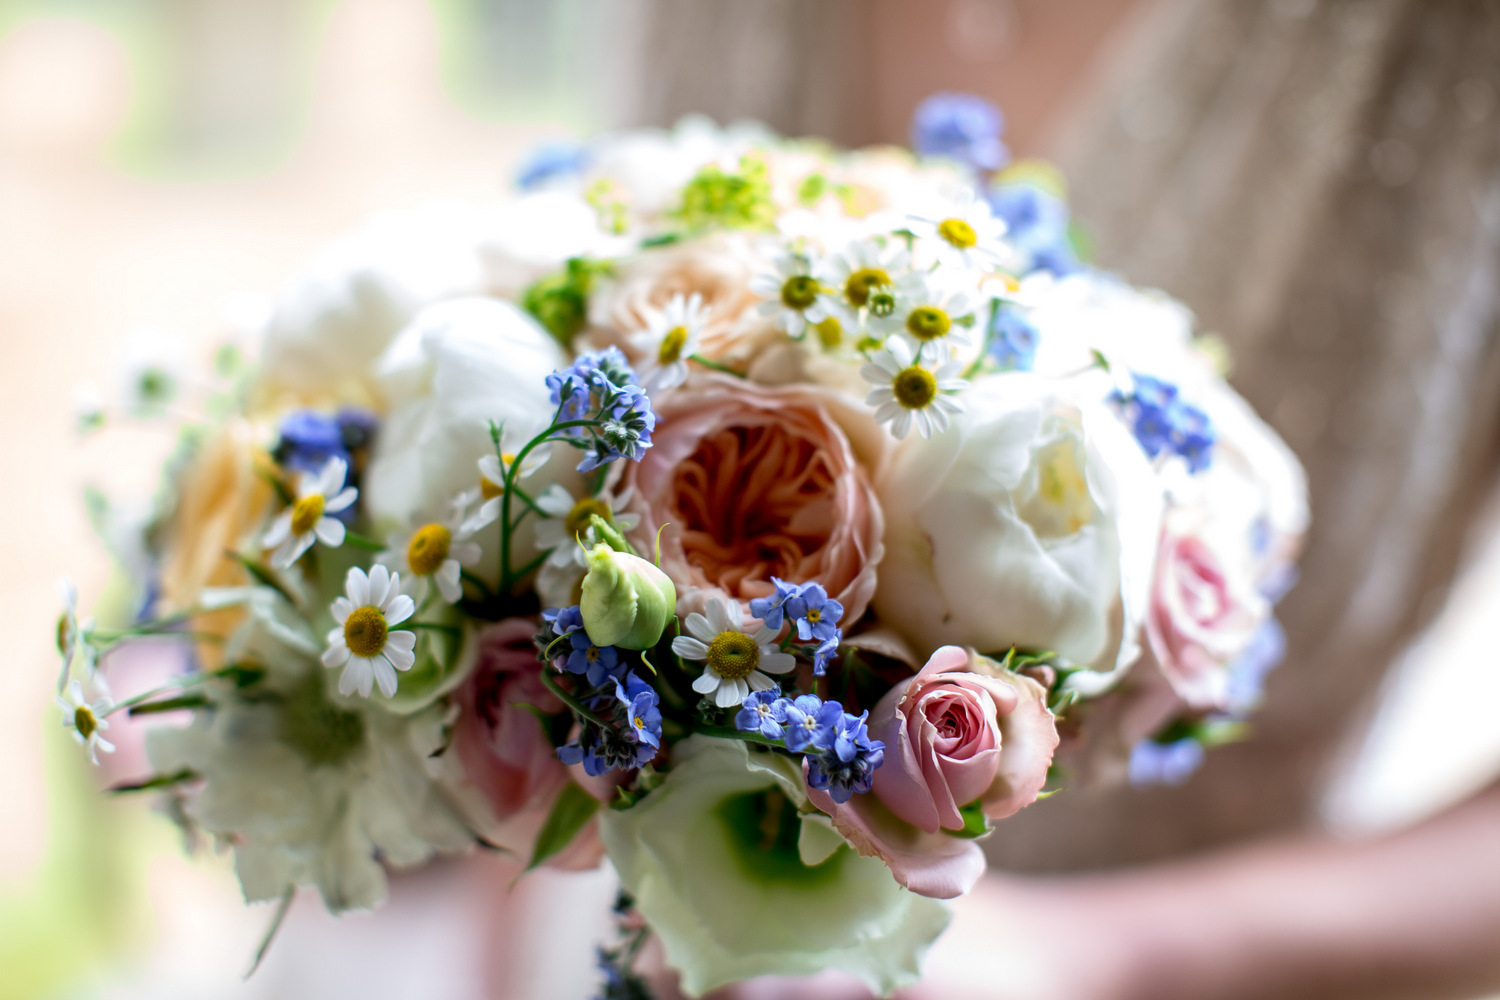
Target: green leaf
<point>158,781</point>
<point>975,822</point>
<point>169,705</point>
<point>573,808</point>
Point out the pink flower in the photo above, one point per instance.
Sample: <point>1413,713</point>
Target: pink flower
<point>505,756</point>
<point>958,732</point>
<point>1202,616</point>
<point>759,482</point>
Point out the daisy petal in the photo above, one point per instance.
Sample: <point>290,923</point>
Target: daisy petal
<point>777,662</point>
<point>401,640</point>
<point>336,655</point>
<point>357,586</point>
<point>330,532</point>
<point>401,659</point>
<point>385,676</point>
<point>398,609</point>
<point>700,627</point>
<point>707,682</point>
<point>342,608</point>
<point>689,648</point>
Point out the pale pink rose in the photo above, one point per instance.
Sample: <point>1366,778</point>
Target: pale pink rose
<point>505,756</point>
<point>960,731</point>
<point>1202,617</point>
<point>717,268</point>
<point>757,482</point>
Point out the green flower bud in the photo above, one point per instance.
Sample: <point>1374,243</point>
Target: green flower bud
<point>626,601</point>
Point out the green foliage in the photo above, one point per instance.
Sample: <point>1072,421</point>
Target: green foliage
<point>560,302</point>
<point>716,199</point>
<point>975,822</point>
<point>572,810</point>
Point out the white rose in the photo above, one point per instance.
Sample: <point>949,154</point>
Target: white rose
<point>730,902</point>
<point>458,366</point>
<point>355,295</point>
<point>1032,522</point>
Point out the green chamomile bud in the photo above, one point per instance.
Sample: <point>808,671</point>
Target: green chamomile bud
<point>626,602</point>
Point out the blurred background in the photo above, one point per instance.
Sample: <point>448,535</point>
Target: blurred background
<point>1319,179</point>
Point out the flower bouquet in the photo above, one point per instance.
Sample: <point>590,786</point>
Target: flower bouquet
<point>772,520</point>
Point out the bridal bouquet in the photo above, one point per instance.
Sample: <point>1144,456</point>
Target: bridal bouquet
<point>772,520</point>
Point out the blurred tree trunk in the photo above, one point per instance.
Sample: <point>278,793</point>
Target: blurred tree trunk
<point>1320,181</point>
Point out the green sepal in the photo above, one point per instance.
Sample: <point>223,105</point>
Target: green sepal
<point>976,824</point>
<point>607,533</point>
<point>572,810</point>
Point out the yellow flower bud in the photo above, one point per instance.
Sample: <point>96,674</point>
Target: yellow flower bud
<point>626,601</point>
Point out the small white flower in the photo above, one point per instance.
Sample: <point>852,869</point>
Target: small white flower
<point>793,293</point>
<point>492,485</point>
<point>864,278</point>
<point>927,315</point>
<point>968,236</point>
<point>363,644</point>
<point>671,337</point>
<point>568,519</point>
<point>735,662</point>
<point>436,551</point>
<point>907,392</point>
<point>298,526</point>
<point>86,720</point>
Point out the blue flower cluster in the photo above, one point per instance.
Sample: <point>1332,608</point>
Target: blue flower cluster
<point>811,610</point>
<point>1153,763</point>
<point>842,758</point>
<point>307,439</point>
<point>600,386</point>
<point>962,127</point>
<point>1013,339</point>
<point>1036,223</point>
<point>552,161</point>
<point>596,664</point>
<point>631,742</point>
<point>1163,422</point>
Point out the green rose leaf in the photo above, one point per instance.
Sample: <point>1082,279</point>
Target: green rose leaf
<point>572,810</point>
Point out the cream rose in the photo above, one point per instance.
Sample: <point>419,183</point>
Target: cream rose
<point>1032,522</point>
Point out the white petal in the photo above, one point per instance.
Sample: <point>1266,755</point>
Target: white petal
<point>701,627</point>
<point>708,682</point>
<point>902,423</point>
<point>332,477</point>
<point>401,659</point>
<point>689,648</point>
<point>357,586</point>
<point>358,675</point>
<point>281,530</point>
<point>467,553</point>
<point>330,532</point>
<point>759,681</point>
<point>344,499</point>
<point>448,582</point>
<point>385,676</point>
<point>401,640</point>
<point>764,635</point>
<point>337,654</point>
<point>776,662</point>
<point>555,501</point>
<point>731,693</point>
<point>489,468</point>
<point>724,615</point>
<point>887,411</point>
<point>398,609</point>
<point>628,522</point>
<point>382,583</point>
<point>342,608</point>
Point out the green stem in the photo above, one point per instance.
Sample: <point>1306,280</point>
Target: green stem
<point>169,705</point>
<point>507,577</point>
<point>728,733</point>
<point>716,366</point>
<point>359,541</point>
<point>567,699</point>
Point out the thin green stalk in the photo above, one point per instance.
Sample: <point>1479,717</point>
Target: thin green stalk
<point>716,366</point>
<point>567,699</point>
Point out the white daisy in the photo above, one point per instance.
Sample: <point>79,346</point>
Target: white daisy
<point>907,392</point>
<point>671,337</point>
<point>967,236</point>
<point>363,644</point>
<point>435,551</point>
<point>864,279</point>
<point>298,526</point>
<point>928,314</point>
<point>794,294</point>
<point>735,662</point>
<point>86,720</point>
<point>492,484</point>
<point>568,519</point>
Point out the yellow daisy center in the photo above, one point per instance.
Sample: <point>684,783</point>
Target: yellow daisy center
<point>861,283</point>
<point>799,292</point>
<point>733,655</point>
<point>428,548</point>
<point>489,489</point>
<point>672,345</point>
<point>83,718</point>
<point>830,332</point>
<point>914,387</point>
<point>364,631</point>
<point>582,514</point>
<point>958,232</point>
<point>928,323</point>
<point>306,512</point>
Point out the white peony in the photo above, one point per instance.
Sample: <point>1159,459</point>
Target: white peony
<point>336,317</point>
<point>455,368</point>
<point>1031,522</point>
<point>739,880</point>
